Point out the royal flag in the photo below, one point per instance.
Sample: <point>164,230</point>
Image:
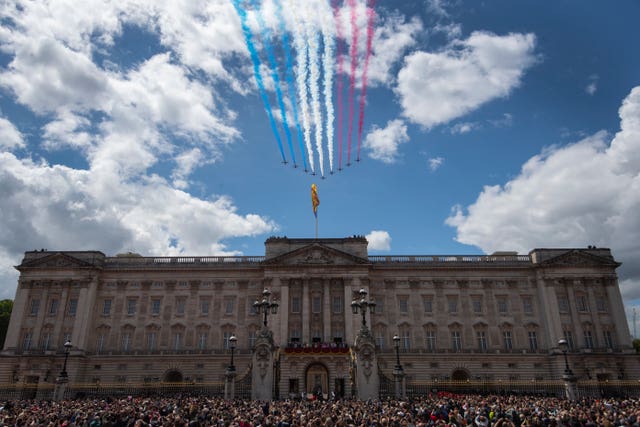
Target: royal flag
<point>315,201</point>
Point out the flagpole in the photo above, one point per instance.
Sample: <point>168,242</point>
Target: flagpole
<point>316,227</point>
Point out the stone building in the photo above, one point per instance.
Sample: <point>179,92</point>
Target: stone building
<point>139,320</point>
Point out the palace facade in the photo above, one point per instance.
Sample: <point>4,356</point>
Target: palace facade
<point>136,320</point>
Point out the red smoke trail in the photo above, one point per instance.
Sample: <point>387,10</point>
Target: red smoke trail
<point>352,77</point>
<point>363,95</point>
<point>339,43</point>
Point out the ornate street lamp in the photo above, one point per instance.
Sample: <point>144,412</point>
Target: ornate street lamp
<point>67,348</point>
<point>362,305</point>
<point>396,344</point>
<point>570,380</point>
<point>266,306</point>
<point>398,372</point>
<point>564,347</point>
<point>232,345</point>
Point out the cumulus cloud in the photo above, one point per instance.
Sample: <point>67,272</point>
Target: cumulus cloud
<point>576,195</point>
<point>10,136</point>
<point>383,143</point>
<point>592,86</point>
<point>379,240</point>
<point>435,163</point>
<point>464,127</point>
<point>435,88</point>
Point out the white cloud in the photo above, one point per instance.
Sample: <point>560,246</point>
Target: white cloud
<point>592,86</point>
<point>435,88</point>
<point>10,136</point>
<point>435,163</point>
<point>581,194</point>
<point>379,240</point>
<point>465,127</point>
<point>383,143</point>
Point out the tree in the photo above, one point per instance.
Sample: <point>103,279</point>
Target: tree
<point>636,345</point>
<point>6,305</point>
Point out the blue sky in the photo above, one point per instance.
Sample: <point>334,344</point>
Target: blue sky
<point>502,125</point>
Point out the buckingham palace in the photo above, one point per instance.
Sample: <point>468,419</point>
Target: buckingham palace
<point>317,317</point>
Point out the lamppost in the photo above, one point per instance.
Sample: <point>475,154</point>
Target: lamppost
<point>67,348</point>
<point>230,374</point>
<point>398,372</point>
<point>361,306</point>
<point>569,378</point>
<point>266,306</point>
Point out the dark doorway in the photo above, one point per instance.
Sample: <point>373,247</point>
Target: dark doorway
<point>339,388</point>
<point>173,376</point>
<point>460,375</point>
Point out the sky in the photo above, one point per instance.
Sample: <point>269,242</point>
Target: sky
<point>476,126</point>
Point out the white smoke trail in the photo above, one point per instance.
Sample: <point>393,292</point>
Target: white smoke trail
<point>314,76</point>
<point>302,59</point>
<point>328,63</point>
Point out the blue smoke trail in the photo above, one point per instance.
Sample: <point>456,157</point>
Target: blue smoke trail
<point>256,71</point>
<point>266,36</point>
<point>290,80</point>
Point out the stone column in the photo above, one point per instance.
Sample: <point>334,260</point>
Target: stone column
<point>60,387</point>
<point>616,308</point>
<point>349,336</point>
<point>230,383</point>
<point>549,311</point>
<point>262,377</point>
<point>283,310</point>
<point>12,339</point>
<point>570,386</point>
<point>84,314</point>
<point>57,322</point>
<point>595,318</point>
<point>326,311</point>
<point>575,317</point>
<point>306,311</point>
<point>367,378</point>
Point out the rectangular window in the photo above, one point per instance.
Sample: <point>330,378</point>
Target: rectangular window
<point>508,340</point>
<point>582,303</point>
<point>253,310</point>
<point>35,307</point>
<point>73,307</point>
<point>482,340</point>
<point>431,340</point>
<point>225,339</point>
<point>106,307</point>
<point>405,340</point>
<point>563,304</point>
<point>588,339</point>
<point>126,341</point>
<point>26,341</point>
<point>379,308</point>
<point>452,304</point>
<point>533,341</point>
<point>337,304</point>
<point>527,304</point>
<point>608,338</point>
<point>380,340</point>
<point>202,340</point>
<point>251,339</point>
<point>403,304</point>
<point>427,303</point>
<point>53,307</point>
<point>456,341</point>
<point>476,302</point>
<point>177,341</point>
<point>295,305</point>
<point>151,341</point>
<point>100,343</point>
<point>46,341</point>
<point>204,307</point>
<point>229,304</point>
<point>131,306</point>
<point>503,307</point>
<point>316,304</point>
<point>568,336</point>
<point>180,305</point>
<point>601,304</point>
<point>155,306</point>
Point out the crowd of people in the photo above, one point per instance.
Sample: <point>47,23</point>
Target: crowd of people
<point>433,410</point>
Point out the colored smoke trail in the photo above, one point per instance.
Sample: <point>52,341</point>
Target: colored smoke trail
<point>328,63</point>
<point>256,72</point>
<point>352,76</point>
<point>302,59</point>
<point>371,15</point>
<point>314,78</point>
<point>340,59</point>
<point>290,79</point>
<point>266,36</point>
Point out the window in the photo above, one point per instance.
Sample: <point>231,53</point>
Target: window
<point>225,339</point>
<point>100,343</point>
<point>26,341</point>
<point>403,304</point>
<point>251,339</point>
<point>601,304</point>
<point>533,341</point>
<point>405,340</point>
<point>151,341</point>
<point>527,304</point>
<point>427,303</point>
<point>508,340</point>
<point>452,304</point>
<point>202,340</point>
<point>73,307</point>
<point>229,304</point>
<point>380,340</point>
<point>588,338</point>
<point>295,305</point>
<point>252,308</point>
<point>53,307</point>
<point>46,341</point>
<point>430,337</point>
<point>177,340</point>
<point>568,336</point>
<point>155,306</point>
<point>316,304</point>
<point>456,341</point>
<point>295,337</point>
<point>582,303</point>
<point>131,306</point>
<point>563,304</point>
<point>126,341</point>
<point>337,305</point>
<point>180,304</point>
<point>482,340</point>
<point>476,302</point>
<point>379,308</point>
<point>503,307</point>
<point>204,307</point>
<point>608,338</point>
<point>35,307</point>
<point>106,307</point>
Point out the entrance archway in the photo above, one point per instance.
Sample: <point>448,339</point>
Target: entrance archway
<point>317,380</point>
<point>460,375</point>
<point>173,376</point>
